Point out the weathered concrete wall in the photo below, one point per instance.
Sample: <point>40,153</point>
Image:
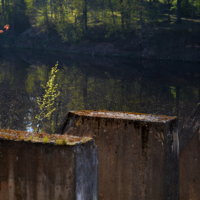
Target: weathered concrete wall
<point>190,170</point>
<point>137,153</point>
<point>35,171</point>
<point>190,128</point>
<point>190,157</point>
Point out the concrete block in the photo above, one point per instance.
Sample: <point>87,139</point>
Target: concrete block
<point>138,153</point>
<point>55,168</point>
<point>190,128</point>
<point>189,170</point>
<point>190,157</point>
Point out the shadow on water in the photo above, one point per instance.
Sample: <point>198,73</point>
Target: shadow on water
<point>95,83</point>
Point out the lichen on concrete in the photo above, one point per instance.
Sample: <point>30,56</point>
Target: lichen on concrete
<point>42,137</point>
<point>125,115</point>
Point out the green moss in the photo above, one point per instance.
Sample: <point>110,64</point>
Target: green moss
<point>64,141</point>
<point>46,140</point>
<point>83,140</point>
<point>30,138</point>
<point>35,139</point>
<point>61,142</point>
<point>58,142</point>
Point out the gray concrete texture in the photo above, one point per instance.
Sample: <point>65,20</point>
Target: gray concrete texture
<point>138,153</point>
<point>190,170</point>
<point>190,157</point>
<point>36,171</point>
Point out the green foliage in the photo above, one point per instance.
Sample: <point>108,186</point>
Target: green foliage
<point>185,7</point>
<point>74,20</point>
<point>69,32</point>
<point>197,5</point>
<point>46,103</point>
<point>173,91</point>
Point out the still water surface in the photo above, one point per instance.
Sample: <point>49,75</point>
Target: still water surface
<point>93,83</point>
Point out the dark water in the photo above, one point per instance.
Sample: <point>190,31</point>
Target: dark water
<point>93,83</point>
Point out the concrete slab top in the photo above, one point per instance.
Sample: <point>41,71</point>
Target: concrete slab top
<point>44,138</point>
<point>125,116</point>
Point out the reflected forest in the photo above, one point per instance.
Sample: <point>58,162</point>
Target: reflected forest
<point>93,84</point>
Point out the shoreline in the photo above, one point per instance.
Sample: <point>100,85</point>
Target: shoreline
<point>131,57</point>
<point>162,45</point>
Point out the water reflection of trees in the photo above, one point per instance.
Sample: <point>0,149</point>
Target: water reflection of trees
<point>14,101</point>
<point>86,89</point>
<point>80,90</point>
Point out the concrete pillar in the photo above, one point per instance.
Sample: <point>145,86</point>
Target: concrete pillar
<point>32,170</point>
<point>138,153</point>
<point>190,157</point>
<point>189,170</point>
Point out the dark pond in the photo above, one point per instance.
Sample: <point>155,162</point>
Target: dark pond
<point>93,83</point>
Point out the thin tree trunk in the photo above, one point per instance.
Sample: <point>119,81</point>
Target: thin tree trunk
<point>45,10</point>
<point>85,14</point>
<point>61,10</point>
<point>85,87</point>
<point>140,96</point>
<point>51,8</point>
<point>192,20</point>
<point>128,15</point>
<point>110,4</point>
<point>3,8</point>
<point>199,96</point>
<point>38,128</point>
<point>168,11</point>
<point>122,15</point>
<point>141,1</point>
<point>75,22</point>
<point>177,100</point>
<point>16,17</point>
<point>178,20</point>
<point>55,10</point>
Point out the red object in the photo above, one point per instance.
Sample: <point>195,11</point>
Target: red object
<point>6,27</point>
<point>1,31</point>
